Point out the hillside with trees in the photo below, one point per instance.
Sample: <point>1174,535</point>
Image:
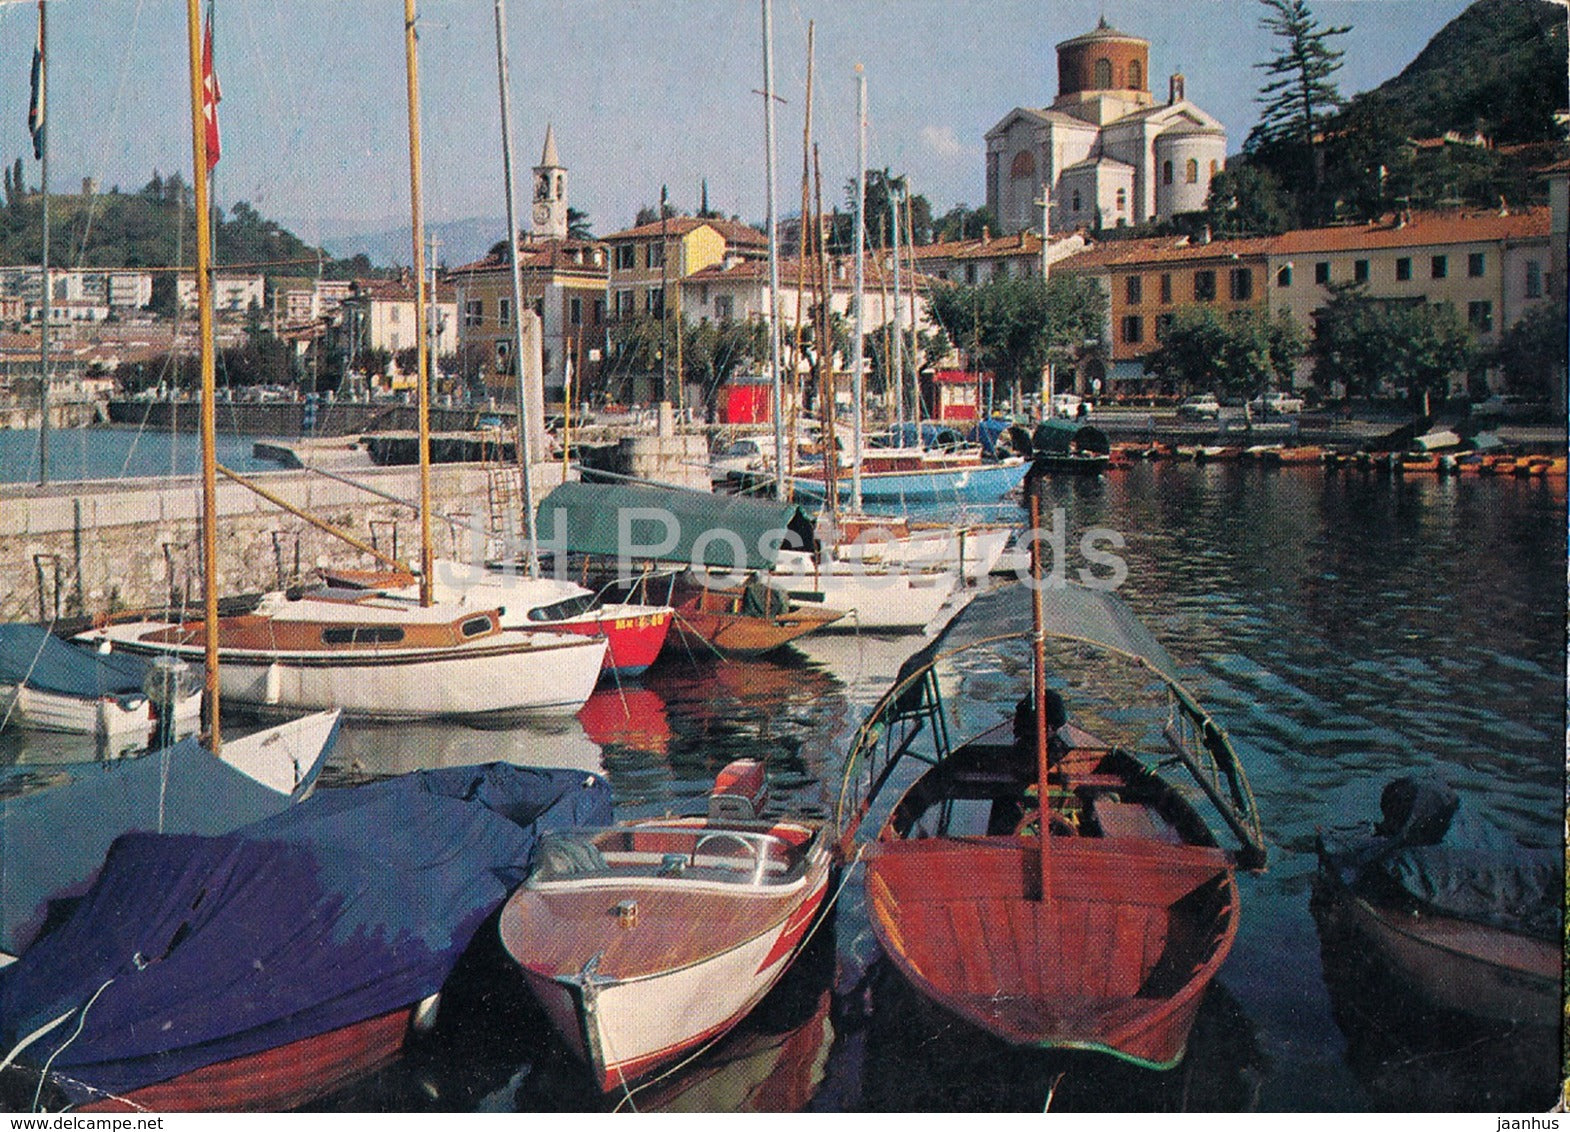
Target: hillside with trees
<point>149,228</point>
<point>1465,123</point>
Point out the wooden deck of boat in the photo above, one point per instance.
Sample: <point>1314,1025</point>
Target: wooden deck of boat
<point>557,932</point>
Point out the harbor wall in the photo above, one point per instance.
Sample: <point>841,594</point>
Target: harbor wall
<point>105,546</point>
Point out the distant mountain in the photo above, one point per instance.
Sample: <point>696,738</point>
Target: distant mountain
<point>461,241</point>
<point>1497,68</point>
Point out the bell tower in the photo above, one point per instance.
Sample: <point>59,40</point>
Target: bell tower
<point>550,193</point>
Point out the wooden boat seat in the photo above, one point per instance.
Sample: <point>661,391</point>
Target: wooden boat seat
<point>1131,820</point>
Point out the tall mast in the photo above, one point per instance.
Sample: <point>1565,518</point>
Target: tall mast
<point>910,294</point>
<point>43,334</point>
<point>856,330</point>
<point>801,254</point>
<point>525,474</point>
<point>422,347</point>
<point>204,300</point>
<point>897,378</point>
<point>774,251</point>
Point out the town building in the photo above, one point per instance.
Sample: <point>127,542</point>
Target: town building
<point>232,294</point>
<point>1105,153</point>
<point>380,315</point>
<point>1492,266</point>
<point>1146,281</point>
<point>988,258</point>
<point>648,263</point>
<point>563,282</point>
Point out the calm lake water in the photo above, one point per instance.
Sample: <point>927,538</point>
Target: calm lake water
<point>1344,628</point>
<point>115,453</point>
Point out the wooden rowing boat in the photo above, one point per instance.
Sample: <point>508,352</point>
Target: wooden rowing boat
<point>1104,935</point>
<point>645,941</point>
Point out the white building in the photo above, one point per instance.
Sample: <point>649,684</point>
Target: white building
<point>1105,153</point>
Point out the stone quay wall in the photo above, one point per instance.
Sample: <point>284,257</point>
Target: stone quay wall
<point>73,550</point>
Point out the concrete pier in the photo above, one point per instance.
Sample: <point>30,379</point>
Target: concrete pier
<point>110,545</point>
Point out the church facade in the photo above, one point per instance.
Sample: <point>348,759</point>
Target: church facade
<point>1105,153</point>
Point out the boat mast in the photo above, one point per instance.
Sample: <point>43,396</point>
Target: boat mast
<point>860,237</point>
<point>1039,696</point>
<point>781,490</point>
<point>525,475</point>
<point>422,347</point>
<point>897,378</point>
<point>824,336</point>
<point>801,258</point>
<point>204,300</point>
<point>43,334</point>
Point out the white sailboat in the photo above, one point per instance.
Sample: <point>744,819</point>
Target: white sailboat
<point>377,655</point>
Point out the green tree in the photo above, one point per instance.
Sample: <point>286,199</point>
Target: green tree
<point>881,186</point>
<point>1360,343</point>
<point>965,223</point>
<point>1238,353</point>
<point>579,226</point>
<point>1299,95</point>
<point>1531,354</point>
<point>1247,201</point>
<point>1014,326</point>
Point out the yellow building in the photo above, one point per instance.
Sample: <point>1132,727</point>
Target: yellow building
<point>648,263</point>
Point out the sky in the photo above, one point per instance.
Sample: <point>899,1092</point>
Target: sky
<point>641,93</point>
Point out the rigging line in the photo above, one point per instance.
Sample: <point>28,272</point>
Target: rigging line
<point>116,110</point>
<point>43,1074</point>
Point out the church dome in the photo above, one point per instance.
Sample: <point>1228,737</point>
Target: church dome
<point>1104,59</point>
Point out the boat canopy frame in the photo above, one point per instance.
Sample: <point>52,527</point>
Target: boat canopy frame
<point>914,706</point>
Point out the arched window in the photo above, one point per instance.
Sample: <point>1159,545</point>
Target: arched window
<point>1103,74</point>
<point>1192,172</point>
<point>1023,167</point>
<point>1076,200</point>
<point>1166,172</point>
<point>1122,200</point>
<point>1214,165</point>
<point>1136,76</point>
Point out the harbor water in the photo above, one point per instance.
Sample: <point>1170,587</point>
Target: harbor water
<point>1344,627</point>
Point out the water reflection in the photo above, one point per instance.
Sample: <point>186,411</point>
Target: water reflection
<point>1412,1058</point>
<point>1342,627</point>
<point>369,750</point>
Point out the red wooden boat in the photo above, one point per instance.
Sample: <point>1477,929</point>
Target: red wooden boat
<point>1104,935</point>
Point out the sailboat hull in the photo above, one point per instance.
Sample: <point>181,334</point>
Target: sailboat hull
<point>511,673</point>
<point>978,483</point>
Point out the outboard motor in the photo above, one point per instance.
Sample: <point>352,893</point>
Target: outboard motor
<point>741,791</point>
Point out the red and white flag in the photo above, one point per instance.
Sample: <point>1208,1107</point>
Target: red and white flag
<point>211,95</point>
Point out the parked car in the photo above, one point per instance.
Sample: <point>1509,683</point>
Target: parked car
<point>1509,407</point>
<point>1066,404</point>
<point>1203,407</point>
<point>1277,402</point>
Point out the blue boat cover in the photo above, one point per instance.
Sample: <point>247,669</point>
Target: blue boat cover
<point>57,822</point>
<point>32,655</point>
<point>194,950</point>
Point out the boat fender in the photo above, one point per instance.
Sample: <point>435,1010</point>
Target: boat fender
<point>424,1017</point>
<point>274,689</point>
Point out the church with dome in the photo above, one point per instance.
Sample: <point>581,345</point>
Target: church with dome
<point>1106,153</point>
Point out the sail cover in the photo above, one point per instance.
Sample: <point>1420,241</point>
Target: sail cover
<point>194,950</point>
<point>30,655</point>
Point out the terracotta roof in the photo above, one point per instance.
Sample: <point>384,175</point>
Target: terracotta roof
<point>1102,31</point>
<point>1421,229</point>
<point>393,291</point>
<point>841,273</point>
<point>538,255</point>
<point>733,231</point>
<point>1162,249</point>
<point>1023,242</point>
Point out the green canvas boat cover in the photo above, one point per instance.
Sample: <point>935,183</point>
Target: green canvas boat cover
<point>1059,437</point>
<point>670,525</point>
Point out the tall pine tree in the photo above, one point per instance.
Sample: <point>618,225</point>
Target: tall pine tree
<point>1299,95</point>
